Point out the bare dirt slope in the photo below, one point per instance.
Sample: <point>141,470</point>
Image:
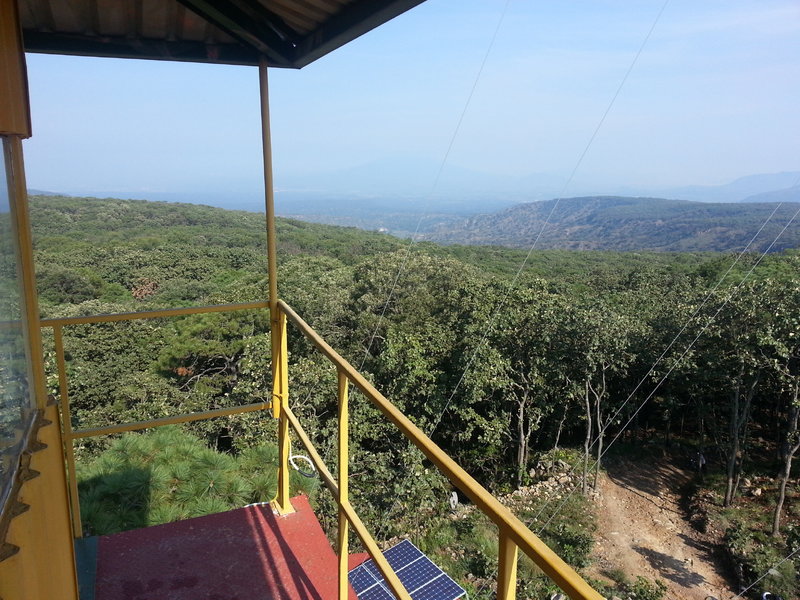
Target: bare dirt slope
<point>644,531</point>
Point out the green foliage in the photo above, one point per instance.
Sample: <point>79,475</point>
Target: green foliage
<point>495,373</point>
<point>757,555</point>
<point>167,475</point>
<point>644,589</point>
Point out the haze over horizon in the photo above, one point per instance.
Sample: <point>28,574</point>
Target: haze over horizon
<point>712,98</point>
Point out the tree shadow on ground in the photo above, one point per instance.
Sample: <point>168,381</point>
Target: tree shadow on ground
<point>708,551</point>
<point>671,568</point>
<point>649,482</point>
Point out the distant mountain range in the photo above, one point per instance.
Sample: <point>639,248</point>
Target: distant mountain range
<point>419,186</point>
<point>34,192</point>
<point>722,217</point>
<point>627,224</point>
<point>445,211</point>
<point>743,189</point>
<point>459,189</point>
<point>791,194</point>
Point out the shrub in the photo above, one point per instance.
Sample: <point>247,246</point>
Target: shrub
<point>644,589</point>
<point>166,475</point>
<point>758,555</point>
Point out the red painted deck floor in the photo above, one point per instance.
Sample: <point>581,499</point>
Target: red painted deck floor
<point>245,554</point>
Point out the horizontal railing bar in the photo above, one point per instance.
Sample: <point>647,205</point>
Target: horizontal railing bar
<point>322,469</point>
<point>153,314</point>
<point>330,483</point>
<point>375,552</point>
<point>209,414</point>
<point>548,561</point>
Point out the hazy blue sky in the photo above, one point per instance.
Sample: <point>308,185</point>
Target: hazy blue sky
<point>714,96</point>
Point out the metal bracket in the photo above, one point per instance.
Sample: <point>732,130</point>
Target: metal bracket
<point>7,551</point>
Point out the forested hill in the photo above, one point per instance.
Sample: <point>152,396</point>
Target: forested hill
<point>71,221</point>
<point>163,254</point>
<point>510,372</point>
<point>627,224</point>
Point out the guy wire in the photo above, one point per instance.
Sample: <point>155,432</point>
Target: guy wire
<point>671,344</point>
<point>775,566</point>
<point>512,285</point>
<point>435,185</point>
<point>689,347</point>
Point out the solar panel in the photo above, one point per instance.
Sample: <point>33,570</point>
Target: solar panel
<point>378,592</point>
<point>361,579</point>
<point>402,554</point>
<point>420,576</point>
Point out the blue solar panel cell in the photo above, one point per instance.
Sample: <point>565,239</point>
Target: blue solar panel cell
<point>418,574</point>
<point>376,593</point>
<point>371,568</point>
<point>441,588</point>
<point>361,579</point>
<point>402,554</point>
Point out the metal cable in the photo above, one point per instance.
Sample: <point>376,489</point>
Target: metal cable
<point>775,566</point>
<point>611,419</point>
<point>578,163</point>
<point>683,354</point>
<point>435,185</point>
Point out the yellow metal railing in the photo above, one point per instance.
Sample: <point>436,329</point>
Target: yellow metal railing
<point>513,534</point>
<point>70,435</point>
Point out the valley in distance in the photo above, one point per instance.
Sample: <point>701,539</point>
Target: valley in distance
<point>481,209</point>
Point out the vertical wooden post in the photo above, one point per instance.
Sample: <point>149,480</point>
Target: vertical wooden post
<point>507,568</point>
<point>280,395</point>
<point>344,453</point>
<point>15,114</point>
<point>66,425</point>
<point>18,194</point>
<point>280,379</point>
<point>38,556</point>
<point>269,193</point>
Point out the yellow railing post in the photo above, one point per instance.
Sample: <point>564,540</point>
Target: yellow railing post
<point>280,399</point>
<point>514,533</point>
<point>66,424</point>
<point>507,568</point>
<point>343,499</point>
<point>280,358</point>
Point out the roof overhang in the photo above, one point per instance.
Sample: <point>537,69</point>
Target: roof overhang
<point>290,33</point>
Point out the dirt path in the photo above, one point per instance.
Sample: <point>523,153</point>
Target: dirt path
<point>643,530</point>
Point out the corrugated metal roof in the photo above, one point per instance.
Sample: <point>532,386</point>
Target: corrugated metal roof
<point>291,33</point>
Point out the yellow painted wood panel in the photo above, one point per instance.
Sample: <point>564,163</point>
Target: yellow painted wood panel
<point>14,111</point>
<point>44,567</point>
